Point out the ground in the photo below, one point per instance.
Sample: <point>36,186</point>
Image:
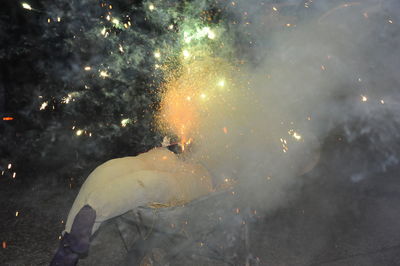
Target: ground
<point>329,222</point>
<point>32,236</point>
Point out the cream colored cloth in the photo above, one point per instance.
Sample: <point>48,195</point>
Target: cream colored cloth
<point>120,185</point>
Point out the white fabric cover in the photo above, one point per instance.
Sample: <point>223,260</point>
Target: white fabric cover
<point>120,185</point>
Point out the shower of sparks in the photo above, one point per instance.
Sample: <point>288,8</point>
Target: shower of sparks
<point>194,78</point>
<point>191,95</point>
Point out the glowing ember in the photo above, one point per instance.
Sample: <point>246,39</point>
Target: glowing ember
<point>157,54</point>
<point>125,122</point>
<point>364,98</point>
<point>104,74</point>
<point>44,105</point>
<point>26,6</point>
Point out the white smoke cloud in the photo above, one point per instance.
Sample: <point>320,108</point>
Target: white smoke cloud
<point>320,66</point>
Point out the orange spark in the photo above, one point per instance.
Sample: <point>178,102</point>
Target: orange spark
<point>189,94</point>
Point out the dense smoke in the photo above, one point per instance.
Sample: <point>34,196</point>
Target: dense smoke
<point>311,69</point>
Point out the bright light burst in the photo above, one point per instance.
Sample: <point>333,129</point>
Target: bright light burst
<point>191,96</point>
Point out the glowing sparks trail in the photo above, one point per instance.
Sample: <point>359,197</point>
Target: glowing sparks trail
<point>44,105</point>
<point>26,6</point>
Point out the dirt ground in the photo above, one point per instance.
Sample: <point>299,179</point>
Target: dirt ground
<point>330,222</point>
<point>30,236</point>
